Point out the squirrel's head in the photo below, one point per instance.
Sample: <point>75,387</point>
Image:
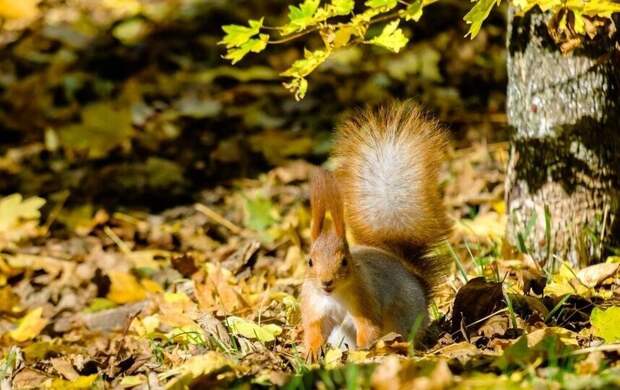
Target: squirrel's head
<point>330,259</point>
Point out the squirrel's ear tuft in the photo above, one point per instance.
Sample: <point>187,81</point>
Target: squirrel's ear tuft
<point>325,196</point>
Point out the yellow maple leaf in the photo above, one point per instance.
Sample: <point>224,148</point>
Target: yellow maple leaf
<point>79,383</point>
<point>565,281</point>
<point>195,367</point>
<point>125,288</point>
<point>151,286</point>
<point>29,326</point>
<point>22,9</point>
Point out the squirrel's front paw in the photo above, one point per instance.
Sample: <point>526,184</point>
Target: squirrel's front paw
<point>313,341</point>
<point>312,355</point>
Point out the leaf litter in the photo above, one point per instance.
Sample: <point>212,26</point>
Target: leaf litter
<point>206,295</point>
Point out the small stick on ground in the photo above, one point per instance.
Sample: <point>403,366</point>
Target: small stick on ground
<point>215,216</point>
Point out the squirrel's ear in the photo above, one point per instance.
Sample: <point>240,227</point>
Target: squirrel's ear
<point>325,196</point>
<point>317,201</point>
<point>333,200</point>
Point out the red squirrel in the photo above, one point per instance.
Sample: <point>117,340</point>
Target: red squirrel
<point>385,192</point>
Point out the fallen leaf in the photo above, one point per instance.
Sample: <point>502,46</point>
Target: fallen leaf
<point>19,217</point>
<point>474,301</point>
<point>606,323</point>
<point>215,287</point>
<point>64,368</point>
<point>185,264</point>
<point>112,319</point>
<point>591,365</point>
<point>145,326</point>
<point>534,348</point>
<point>22,9</point>
<point>195,367</point>
<point>29,326</point>
<point>29,378</point>
<point>252,330</point>
<point>125,288</point>
<point>8,299</point>
<point>565,281</point>
<point>81,382</point>
<point>242,258</point>
<point>188,334</point>
<point>395,373</point>
<point>214,329</point>
<point>595,274</point>
<point>132,380</point>
<point>104,127</point>
<point>99,304</point>
<point>260,213</point>
<point>333,358</point>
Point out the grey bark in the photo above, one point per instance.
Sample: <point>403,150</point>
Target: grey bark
<point>565,150</point>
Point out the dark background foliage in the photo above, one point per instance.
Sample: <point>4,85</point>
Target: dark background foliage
<point>142,101</point>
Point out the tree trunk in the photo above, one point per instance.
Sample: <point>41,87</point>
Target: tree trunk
<point>564,166</point>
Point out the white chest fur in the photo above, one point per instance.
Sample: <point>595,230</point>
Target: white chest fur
<point>338,322</point>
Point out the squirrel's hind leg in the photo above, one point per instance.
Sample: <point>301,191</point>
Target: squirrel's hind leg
<point>366,331</point>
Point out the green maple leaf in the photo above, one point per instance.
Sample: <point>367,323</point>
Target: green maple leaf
<point>477,15</point>
<point>343,7</point>
<point>304,66</point>
<point>301,16</point>
<point>237,35</point>
<point>253,45</point>
<point>298,87</point>
<point>414,10</point>
<point>391,38</point>
<point>387,4</point>
<point>260,213</point>
<point>301,68</point>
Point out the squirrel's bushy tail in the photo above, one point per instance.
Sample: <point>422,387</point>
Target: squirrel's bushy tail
<point>388,166</point>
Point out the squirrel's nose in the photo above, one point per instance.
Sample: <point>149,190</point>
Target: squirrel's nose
<point>328,284</point>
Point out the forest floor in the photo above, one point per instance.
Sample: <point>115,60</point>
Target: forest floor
<point>161,236</point>
<point>205,295</point>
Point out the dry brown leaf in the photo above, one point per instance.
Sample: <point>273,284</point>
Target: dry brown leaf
<point>595,274</point>
<point>64,368</point>
<point>395,373</point>
<point>474,301</point>
<point>185,264</point>
<point>213,288</point>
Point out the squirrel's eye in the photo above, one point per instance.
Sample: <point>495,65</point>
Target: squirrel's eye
<point>309,262</point>
<point>344,262</point>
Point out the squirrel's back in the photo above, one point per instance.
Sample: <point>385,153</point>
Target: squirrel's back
<point>388,163</point>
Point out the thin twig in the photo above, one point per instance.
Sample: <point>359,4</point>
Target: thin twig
<point>479,321</point>
<point>380,19</point>
<point>53,215</point>
<point>215,216</point>
<point>599,348</point>
<point>117,240</point>
<point>293,37</point>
